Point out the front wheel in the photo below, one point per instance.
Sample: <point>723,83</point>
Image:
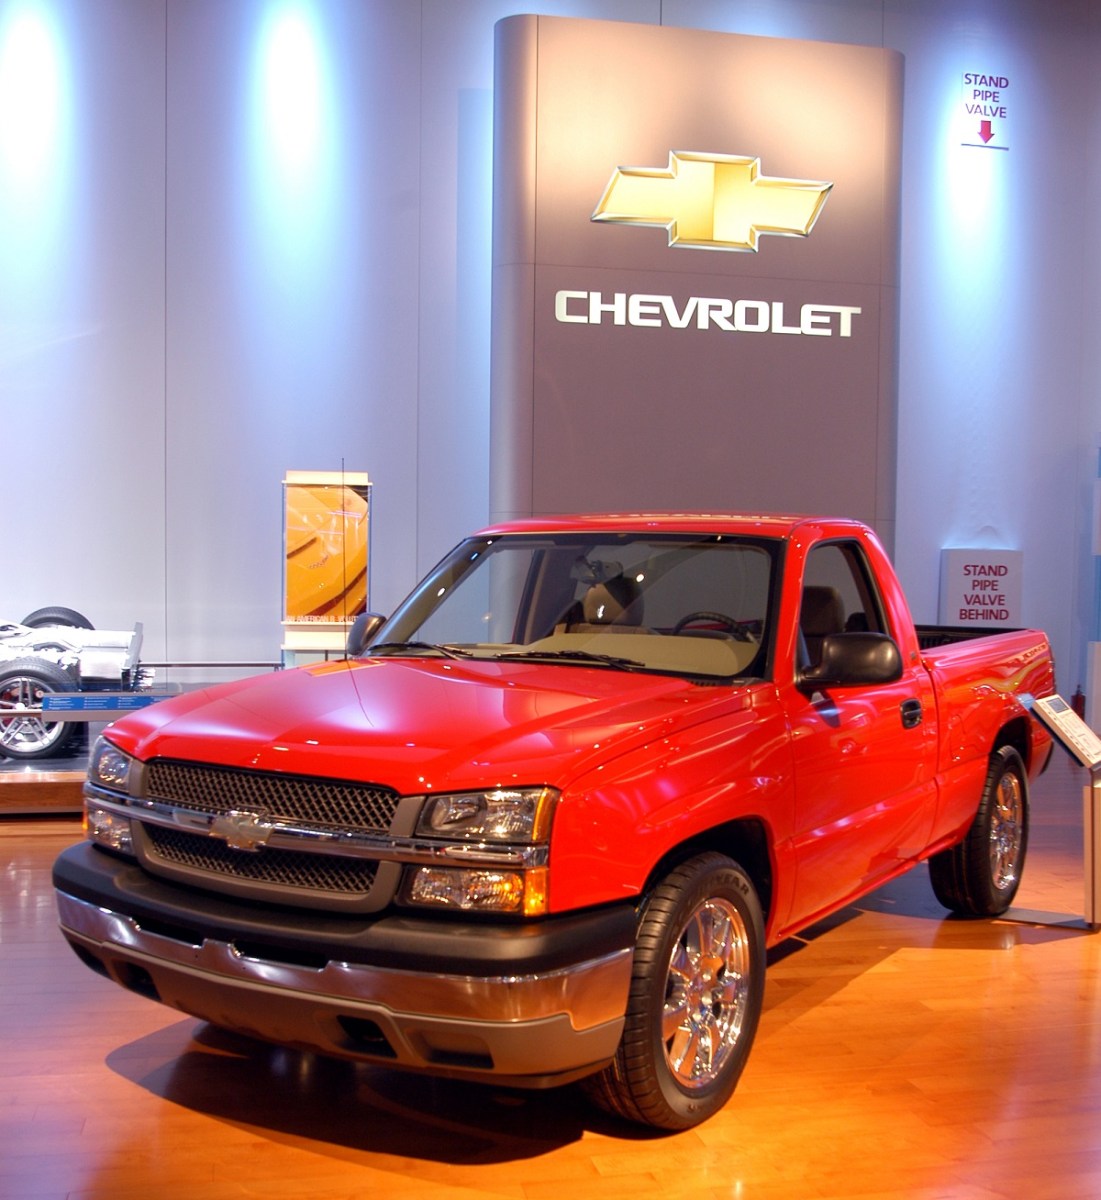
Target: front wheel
<point>25,734</point>
<point>980,876</point>
<point>695,998</point>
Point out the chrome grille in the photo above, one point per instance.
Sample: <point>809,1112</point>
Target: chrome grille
<point>279,868</point>
<point>318,803</point>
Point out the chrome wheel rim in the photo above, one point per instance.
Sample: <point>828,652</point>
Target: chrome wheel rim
<point>1007,831</point>
<point>26,733</point>
<point>706,993</point>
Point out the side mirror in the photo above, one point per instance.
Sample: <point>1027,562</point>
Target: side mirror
<point>362,633</point>
<point>853,659</point>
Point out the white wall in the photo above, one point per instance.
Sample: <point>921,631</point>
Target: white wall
<point>82,308</point>
<point>294,299</point>
<point>998,250</point>
<point>195,297</point>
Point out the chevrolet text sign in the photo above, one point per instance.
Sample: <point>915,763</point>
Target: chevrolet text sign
<point>695,271</point>
<point>702,312</point>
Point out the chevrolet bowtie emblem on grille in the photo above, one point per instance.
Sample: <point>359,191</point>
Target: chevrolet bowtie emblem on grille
<point>241,830</point>
<point>712,201</point>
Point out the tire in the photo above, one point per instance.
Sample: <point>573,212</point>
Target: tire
<point>23,683</point>
<point>56,616</point>
<point>695,998</point>
<point>980,876</point>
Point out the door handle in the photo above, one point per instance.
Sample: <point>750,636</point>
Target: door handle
<point>911,713</point>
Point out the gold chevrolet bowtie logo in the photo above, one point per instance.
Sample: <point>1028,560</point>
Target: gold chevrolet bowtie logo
<point>712,201</point>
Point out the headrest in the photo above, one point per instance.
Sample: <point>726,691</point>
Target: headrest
<point>823,612</point>
<point>605,603</point>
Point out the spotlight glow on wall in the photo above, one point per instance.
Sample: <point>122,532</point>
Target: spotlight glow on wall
<point>292,133</point>
<point>291,82</point>
<point>32,97</point>
<point>966,252</point>
<point>970,232</point>
<point>34,142</point>
<point>290,203</point>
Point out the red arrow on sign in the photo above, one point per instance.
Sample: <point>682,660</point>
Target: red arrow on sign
<point>985,131</point>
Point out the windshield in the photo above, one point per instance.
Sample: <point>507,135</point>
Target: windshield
<point>682,604</point>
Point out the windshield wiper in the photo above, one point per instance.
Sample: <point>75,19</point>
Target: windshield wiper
<point>584,656</point>
<point>396,648</point>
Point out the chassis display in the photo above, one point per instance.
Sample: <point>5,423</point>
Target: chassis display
<point>56,650</point>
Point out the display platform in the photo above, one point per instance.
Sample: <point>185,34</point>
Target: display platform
<point>52,784</point>
<point>45,786</point>
<point>42,793</point>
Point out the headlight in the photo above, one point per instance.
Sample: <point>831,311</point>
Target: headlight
<point>517,815</point>
<point>108,767</point>
<point>109,829</point>
<point>480,889</point>
<point>519,818</point>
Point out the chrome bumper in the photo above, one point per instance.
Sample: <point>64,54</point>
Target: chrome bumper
<point>525,1029</point>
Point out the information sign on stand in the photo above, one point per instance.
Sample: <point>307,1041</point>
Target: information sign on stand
<point>326,534</point>
<point>1068,728</point>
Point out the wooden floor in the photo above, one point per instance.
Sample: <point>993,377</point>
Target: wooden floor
<point>901,1054</point>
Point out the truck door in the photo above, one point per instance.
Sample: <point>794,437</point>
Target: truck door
<point>864,757</point>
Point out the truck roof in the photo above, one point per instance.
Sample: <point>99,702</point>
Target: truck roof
<point>745,524</point>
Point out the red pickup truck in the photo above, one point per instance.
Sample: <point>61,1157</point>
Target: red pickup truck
<point>542,824</point>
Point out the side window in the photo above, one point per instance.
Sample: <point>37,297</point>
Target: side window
<point>839,596</point>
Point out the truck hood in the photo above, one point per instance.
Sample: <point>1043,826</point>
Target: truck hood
<point>418,724</point>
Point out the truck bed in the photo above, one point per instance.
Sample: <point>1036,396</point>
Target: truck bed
<point>932,636</point>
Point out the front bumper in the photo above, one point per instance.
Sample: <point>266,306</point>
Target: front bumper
<point>528,1005</point>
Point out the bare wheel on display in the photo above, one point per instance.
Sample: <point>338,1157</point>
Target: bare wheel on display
<point>695,998</point>
<point>980,876</point>
<point>56,615</point>
<point>23,733</point>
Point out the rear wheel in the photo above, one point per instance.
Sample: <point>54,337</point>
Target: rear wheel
<point>24,734</point>
<point>980,876</point>
<point>695,998</point>
<point>56,616</point>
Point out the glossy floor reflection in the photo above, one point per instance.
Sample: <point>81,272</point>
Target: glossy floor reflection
<point>901,1054</point>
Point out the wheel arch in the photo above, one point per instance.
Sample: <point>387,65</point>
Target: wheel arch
<point>1016,734</point>
<point>746,840</point>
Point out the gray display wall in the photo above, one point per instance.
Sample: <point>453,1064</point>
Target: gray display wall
<point>242,238</point>
<point>695,272</point>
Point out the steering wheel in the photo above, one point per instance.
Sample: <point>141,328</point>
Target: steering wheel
<point>739,630</point>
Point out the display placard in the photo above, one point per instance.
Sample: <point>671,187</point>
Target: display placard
<point>1069,729</point>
